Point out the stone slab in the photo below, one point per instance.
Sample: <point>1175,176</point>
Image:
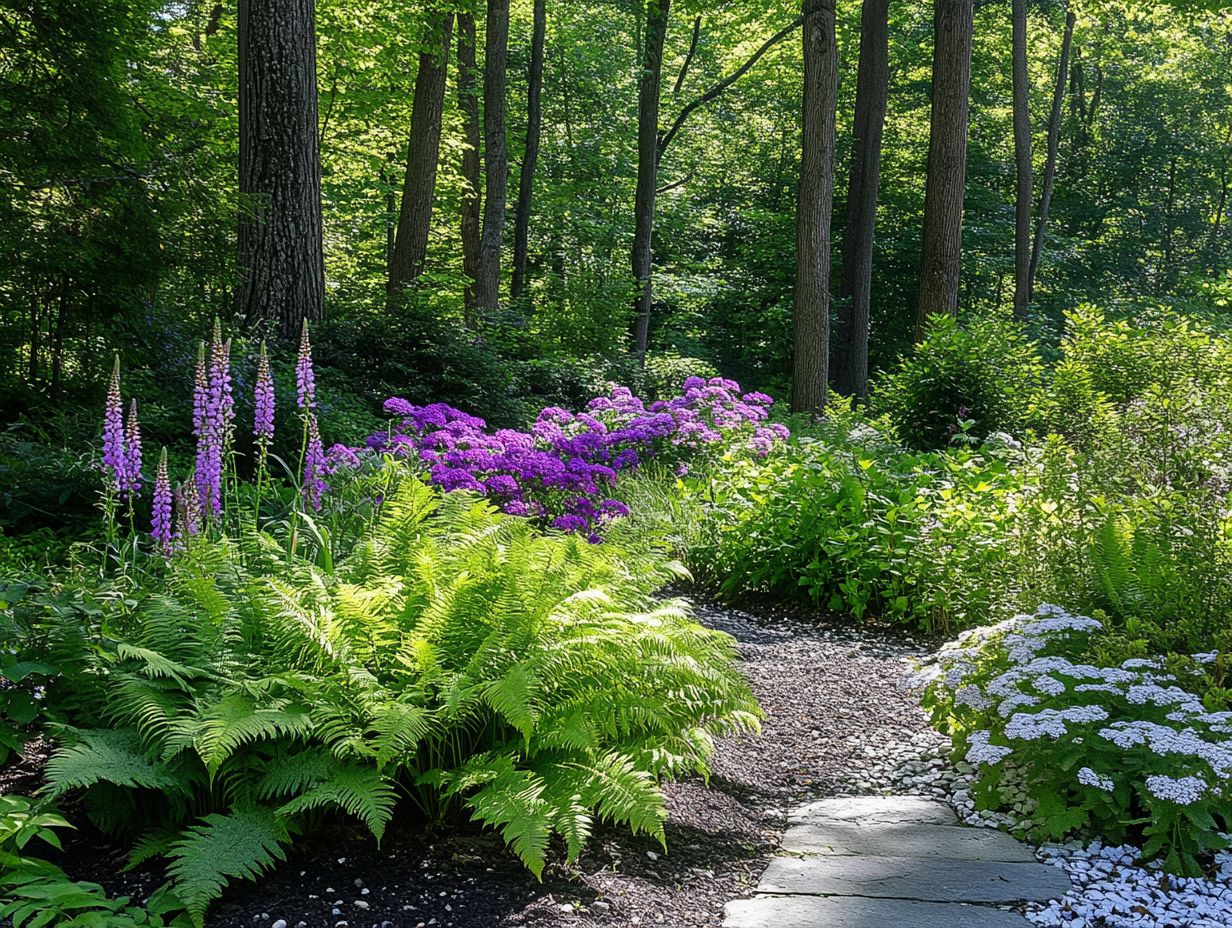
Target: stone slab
<point>862,912</point>
<point>876,810</point>
<point>948,842</point>
<point>928,880</point>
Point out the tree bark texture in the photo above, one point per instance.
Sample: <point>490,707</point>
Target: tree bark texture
<point>468,103</point>
<point>855,284</point>
<point>534,126</point>
<point>281,263</point>
<point>953,26</point>
<point>1022,160</point>
<point>495,158</point>
<point>1050,164</point>
<point>647,167</point>
<point>813,210</point>
<point>423,153</point>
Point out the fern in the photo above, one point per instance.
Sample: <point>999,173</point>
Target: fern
<point>107,756</point>
<point>240,845</point>
<point>455,654</point>
<point>235,721</point>
<point>358,790</point>
<point>512,800</point>
<point>626,795</point>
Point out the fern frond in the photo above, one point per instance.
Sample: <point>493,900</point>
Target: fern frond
<point>106,756</point>
<point>235,721</point>
<point>512,696</point>
<point>155,665</point>
<point>358,790</point>
<point>624,794</point>
<point>513,802</point>
<point>240,845</point>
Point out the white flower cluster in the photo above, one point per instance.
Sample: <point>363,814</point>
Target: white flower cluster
<point>1088,777</point>
<point>1184,791</point>
<point>1013,670</point>
<point>980,752</point>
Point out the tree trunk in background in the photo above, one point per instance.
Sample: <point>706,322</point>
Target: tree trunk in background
<point>281,263</point>
<point>423,152</point>
<point>953,26</point>
<point>1050,165</point>
<point>855,285</point>
<point>495,157</point>
<point>468,102</point>
<point>814,205</point>
<point>647,168</point>
<point>526,182</point>
<point>1022,158</point>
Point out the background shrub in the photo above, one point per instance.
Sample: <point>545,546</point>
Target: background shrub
<point>984,371</point>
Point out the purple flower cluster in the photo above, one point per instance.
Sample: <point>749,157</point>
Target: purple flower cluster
<point>305,377</point>
<point>214,418</point>
<point>161,529</point>
<point>115,462</point>
<point>316,467</point>
<point>263,404</point>
<point>121,442</point>
<point>561,470</point>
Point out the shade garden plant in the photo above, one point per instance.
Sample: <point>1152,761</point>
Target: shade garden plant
<point>390,629</point>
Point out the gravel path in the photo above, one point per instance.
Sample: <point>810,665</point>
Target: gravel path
<point>830,694</point>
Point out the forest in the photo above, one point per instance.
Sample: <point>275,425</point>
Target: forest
<point>518,460</point>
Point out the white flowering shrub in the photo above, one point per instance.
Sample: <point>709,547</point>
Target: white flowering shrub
<point>1126,751</point>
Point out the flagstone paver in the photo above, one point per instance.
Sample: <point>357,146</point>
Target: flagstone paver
<point>949,842</point>
<point>862,912</point>
<point>905,861</point>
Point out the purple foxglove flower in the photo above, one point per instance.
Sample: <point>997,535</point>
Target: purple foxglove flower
<point>305,378</point>
<point>315,466</point>
<point>115,460</point>
<point>263,402</point>
<point>132,452</point>
<point>160,525</point>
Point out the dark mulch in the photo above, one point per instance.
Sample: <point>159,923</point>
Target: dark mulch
<point>829,692</point>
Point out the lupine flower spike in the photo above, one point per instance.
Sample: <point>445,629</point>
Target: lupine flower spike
<point>263,403</point>
<point>132,453</point>
<point>115,462</point>
<point>305,378</point>
<point>199,391</point>
<point>161,529</point>
<point>217,415</point>
<point>315,465</point>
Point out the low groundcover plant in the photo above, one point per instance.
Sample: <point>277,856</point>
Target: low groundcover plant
<point>1124,750</point>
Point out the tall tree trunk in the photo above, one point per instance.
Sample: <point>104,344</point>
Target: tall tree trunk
<point>281,263</point>
<point>1022,158</point>
<point>495,157</point>
<point>855,284</point>
<point>526,181</point>
<point>647,167</point>
<point>813,209</point>
<point>953,26</point>
<point>1050,165</point>
<point>468,102</point>
<point>422,154</point>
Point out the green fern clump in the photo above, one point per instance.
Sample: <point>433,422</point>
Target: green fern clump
<point>457,656</point>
